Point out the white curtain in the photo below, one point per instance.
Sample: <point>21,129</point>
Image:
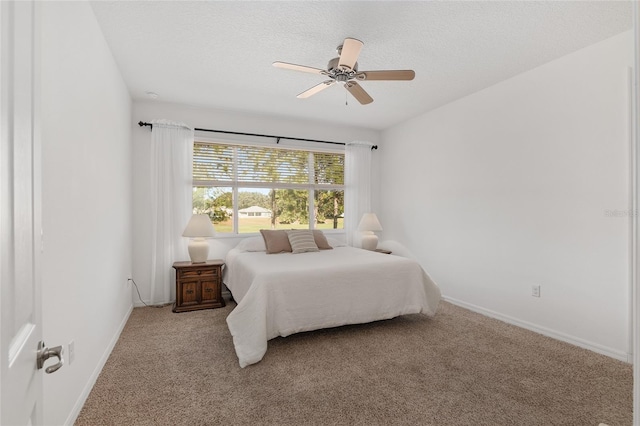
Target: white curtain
<point>171,203</point>
<point>357,180</point>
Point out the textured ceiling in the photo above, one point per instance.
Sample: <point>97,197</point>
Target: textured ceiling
<point>219,54</point>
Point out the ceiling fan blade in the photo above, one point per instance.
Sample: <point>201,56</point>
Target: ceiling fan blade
<point>386,75</point>
<point>315,89</point>
<point>350,52</point>
<point>302,68</point>
<point>358,92</point>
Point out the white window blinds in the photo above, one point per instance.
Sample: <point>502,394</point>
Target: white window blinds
<point>219,164</point>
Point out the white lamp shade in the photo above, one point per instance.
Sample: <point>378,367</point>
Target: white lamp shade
<point>369,222</point>
<point>199,226</point>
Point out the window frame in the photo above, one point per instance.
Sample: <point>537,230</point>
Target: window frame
<point>310,186</point>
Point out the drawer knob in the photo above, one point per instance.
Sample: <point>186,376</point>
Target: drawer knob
<point>189,291</point>
<point>208,290</point>
<point>199,272</point>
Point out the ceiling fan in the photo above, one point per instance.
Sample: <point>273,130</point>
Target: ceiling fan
<point>344,69</point>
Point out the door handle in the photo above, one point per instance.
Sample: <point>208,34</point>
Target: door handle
<point>45,353</point>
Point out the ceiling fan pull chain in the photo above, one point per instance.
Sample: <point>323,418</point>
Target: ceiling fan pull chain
<point>346,98</point>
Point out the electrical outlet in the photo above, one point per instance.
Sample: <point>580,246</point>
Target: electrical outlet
<point>72,352</point>
<point>535,290</point>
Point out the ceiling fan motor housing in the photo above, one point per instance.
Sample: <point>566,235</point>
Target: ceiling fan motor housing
<point>341,74</point>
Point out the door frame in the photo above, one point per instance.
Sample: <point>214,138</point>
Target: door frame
<point>635,228</point>
<point>20,119</point>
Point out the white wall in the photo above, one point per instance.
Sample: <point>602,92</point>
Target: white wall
<point>510,187</point>
<point>221,120</point>
<point>86,127</point>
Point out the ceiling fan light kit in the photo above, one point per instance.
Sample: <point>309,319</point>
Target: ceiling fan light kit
<point>344,69</point>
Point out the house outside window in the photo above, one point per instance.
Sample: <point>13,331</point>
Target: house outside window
<point>245,188</point>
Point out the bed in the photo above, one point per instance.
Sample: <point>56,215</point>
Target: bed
<point>282,294</point>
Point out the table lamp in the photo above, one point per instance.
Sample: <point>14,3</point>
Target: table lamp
<point>199,228</point>
<point>368,224</point>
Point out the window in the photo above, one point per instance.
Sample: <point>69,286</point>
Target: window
<point>247,188</point>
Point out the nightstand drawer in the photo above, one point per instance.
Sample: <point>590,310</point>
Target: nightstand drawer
<point>198,273</point>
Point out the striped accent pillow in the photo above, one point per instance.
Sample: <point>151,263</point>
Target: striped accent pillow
<point>302,241</point>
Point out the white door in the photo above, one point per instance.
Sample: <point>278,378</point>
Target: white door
<point>20,221</point>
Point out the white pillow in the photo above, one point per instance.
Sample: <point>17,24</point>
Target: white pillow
<point>395,248</point>
<point>335,243</point>
<point>252,244</point>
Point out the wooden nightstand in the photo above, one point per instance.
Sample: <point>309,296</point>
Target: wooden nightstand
<point>198,285</point>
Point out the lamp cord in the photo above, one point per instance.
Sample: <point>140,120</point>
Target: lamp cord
<point>140,297</point>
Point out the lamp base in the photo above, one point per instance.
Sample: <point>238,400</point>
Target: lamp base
<point>369,240</point>
<point>198,250</point>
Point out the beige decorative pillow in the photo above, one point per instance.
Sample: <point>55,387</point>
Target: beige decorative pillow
<point>302,241</point>
<point>251,244</point>
<point>276,241</point>
<point>321,240</point>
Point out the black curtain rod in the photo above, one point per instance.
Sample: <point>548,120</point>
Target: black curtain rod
<point>277,138</point>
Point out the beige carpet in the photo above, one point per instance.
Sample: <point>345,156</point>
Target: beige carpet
<point>459,368</point>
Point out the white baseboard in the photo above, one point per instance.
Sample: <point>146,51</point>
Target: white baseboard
<point>73,415</point>
<point>610,352</point>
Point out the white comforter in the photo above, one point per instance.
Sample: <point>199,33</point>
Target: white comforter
<point>283,294</point>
